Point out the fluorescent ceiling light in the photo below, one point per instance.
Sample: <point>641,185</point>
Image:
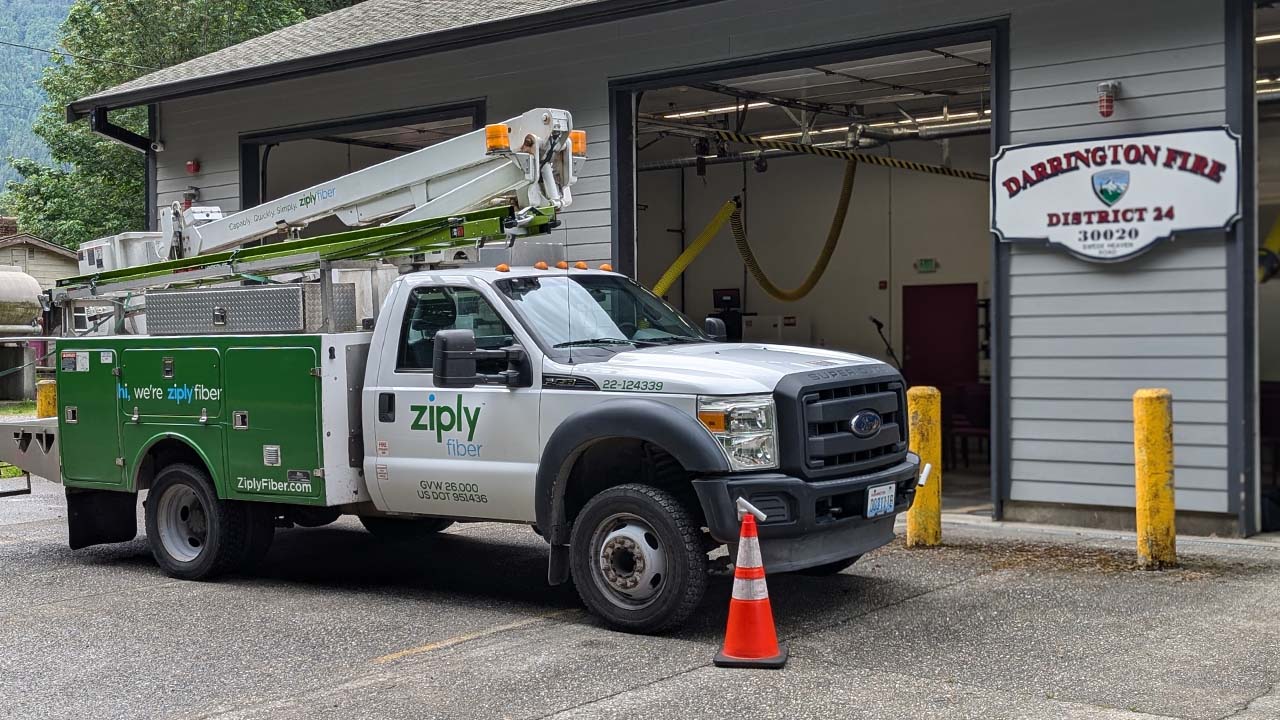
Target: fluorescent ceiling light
<point>714,111</point>
<point>1263,39</point>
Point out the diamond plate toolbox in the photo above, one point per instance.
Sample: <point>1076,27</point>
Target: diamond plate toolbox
<point>285,308</point>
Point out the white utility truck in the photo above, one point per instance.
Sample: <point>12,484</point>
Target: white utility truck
<point>566,398</point>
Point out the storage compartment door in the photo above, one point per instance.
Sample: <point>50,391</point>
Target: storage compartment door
<point>273,444</point>
<point>88,421</point>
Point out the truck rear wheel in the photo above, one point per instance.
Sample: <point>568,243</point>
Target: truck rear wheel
<point>403,529</point>
<point>637,558</point>
<point>194,535</point>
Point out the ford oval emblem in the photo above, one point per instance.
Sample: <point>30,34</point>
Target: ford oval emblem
<point>865,424</point>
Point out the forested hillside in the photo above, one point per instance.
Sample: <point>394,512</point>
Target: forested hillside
<point>25,22</point>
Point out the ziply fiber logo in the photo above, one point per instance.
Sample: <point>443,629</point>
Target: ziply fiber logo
<point>445,418</point>
<point>316,196</point>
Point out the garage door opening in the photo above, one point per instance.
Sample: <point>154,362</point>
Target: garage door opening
<point>909,277</point>
<point>279,162</point>
<point>1267,90</point>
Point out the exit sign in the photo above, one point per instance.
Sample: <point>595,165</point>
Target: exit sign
<point>926,265</point>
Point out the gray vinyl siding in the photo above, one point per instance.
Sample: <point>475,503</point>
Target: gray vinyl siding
<point>1084,336</point>
<point>570,69</point>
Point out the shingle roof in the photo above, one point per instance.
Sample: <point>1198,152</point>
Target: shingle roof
<point>29,239</point>
<point>370,30</point>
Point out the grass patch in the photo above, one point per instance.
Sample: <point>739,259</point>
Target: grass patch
<point>17,408</point>
<point>10,471</point>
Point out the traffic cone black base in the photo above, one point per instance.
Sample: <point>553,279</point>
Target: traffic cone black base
<point>770,663</point>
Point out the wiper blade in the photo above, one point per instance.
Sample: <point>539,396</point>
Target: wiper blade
<point>674,340</point>
<point>593,341</point>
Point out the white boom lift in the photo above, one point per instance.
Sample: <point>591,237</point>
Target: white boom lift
<point>462,173</point>
<point>465,173</point>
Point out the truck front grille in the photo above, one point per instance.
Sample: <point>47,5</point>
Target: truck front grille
<point>831,442</point>
<point>822,443</point>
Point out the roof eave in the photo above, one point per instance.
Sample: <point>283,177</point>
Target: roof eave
<point>439,41</point>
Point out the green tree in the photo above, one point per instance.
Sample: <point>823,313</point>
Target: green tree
<point>95,186</point>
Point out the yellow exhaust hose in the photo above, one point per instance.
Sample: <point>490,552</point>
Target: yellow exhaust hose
<point>732,211</point>
<point>699,244</point>
<point>824,258</point>
<point>1269,254</point>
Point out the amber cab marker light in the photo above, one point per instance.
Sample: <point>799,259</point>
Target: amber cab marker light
<point>540,265</point>
<point>503,267</point>
<point>562,265</point>
<point>580,265</point>
<point>497,138</point>
<point>606,267</point>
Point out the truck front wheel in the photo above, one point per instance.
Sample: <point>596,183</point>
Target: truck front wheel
<point>194,535</point>
<point>637,558</point>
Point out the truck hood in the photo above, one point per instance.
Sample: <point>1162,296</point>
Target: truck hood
<point>713,368</point>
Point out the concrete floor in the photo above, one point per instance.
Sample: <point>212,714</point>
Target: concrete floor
<point>1004,622</point>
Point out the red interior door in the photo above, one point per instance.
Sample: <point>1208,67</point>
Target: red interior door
<point>940,334</point>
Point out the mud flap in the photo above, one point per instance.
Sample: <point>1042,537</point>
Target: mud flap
<point>96,517</point>
<point>558,565</point>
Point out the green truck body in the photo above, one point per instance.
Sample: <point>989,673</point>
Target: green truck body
<point>250,406</point>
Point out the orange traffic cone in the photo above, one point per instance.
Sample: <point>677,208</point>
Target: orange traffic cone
<point>750,640</point>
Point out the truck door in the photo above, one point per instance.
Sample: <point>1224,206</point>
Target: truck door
<point>458,453</point>
<point>88,393</point>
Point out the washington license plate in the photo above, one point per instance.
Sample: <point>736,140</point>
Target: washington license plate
<point>880,500</point>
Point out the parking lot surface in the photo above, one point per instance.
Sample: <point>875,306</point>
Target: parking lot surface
<point>1004,622</point>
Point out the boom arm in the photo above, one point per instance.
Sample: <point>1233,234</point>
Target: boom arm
<point>464,173</point>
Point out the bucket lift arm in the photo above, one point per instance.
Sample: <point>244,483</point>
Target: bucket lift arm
<point>463,173</point>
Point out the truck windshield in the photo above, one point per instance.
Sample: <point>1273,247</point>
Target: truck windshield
<point>596,310</point>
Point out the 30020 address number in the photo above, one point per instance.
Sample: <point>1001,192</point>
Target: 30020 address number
<point>632,385</point>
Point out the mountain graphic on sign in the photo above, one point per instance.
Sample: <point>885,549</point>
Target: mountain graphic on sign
<point>1110,185</point>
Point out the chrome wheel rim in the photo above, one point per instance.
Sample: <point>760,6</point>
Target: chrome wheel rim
<point>183,523</point>
<point>629,563</point>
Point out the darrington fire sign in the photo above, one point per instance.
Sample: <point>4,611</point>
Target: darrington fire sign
<point>1111,198</point>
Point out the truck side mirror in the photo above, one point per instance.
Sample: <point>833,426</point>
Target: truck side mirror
<point>453,359</point>
<point>716,328</point>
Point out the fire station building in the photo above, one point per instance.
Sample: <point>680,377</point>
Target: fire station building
<point>1056,202</point>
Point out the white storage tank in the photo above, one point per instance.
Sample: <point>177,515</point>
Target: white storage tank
<point>20,305</point>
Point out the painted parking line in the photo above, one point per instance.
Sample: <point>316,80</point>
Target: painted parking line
<point>467,637</point>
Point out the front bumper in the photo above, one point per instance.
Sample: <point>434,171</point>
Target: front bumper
<point>809,523</point>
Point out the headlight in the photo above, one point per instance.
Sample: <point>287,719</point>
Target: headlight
<point>744,426</point>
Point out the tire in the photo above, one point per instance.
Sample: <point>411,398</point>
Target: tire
<point>831,568</point>
<point>637,559</point>
<point>403,530</point>
<point>194,535</point>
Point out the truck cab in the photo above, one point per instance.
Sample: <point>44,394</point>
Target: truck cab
<point>578,402</point>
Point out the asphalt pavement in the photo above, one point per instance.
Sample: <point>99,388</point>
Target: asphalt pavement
<point>1003,622</point>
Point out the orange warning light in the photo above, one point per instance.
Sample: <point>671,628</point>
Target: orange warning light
<point>497,138</point>
<point>578,141</point>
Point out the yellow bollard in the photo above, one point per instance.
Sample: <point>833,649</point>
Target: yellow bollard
<point>1153,471</point>
<point>47,398</point>
<point>924,519</point>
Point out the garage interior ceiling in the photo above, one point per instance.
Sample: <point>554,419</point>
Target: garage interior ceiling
<point>943,86</point>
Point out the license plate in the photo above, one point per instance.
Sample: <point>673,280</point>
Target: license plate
<point>880,500</point>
